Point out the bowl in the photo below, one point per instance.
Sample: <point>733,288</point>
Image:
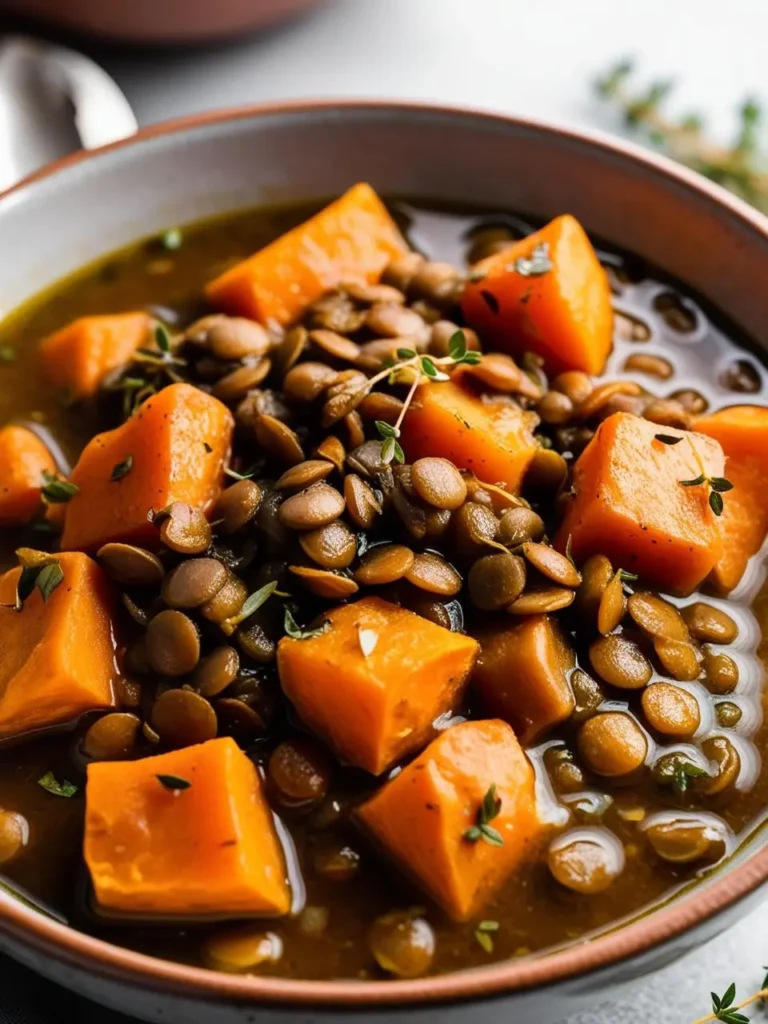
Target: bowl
<point>172,21</point>
<point>171,174</point>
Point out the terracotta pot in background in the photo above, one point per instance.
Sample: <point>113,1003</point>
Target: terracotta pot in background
<point>159,21</point>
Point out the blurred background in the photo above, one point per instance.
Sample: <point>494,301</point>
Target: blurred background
<point>698,86</point>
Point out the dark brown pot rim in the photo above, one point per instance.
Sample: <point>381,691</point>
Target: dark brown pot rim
<point>637,937</point>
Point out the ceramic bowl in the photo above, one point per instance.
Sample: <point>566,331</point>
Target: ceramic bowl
<point>160,21</point>
<point>87,205</point>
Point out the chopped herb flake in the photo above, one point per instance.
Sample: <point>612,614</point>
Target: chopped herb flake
<point>173,783</point>
<point>56,491</point>
<point>50,783</point>
<point>122,468</point>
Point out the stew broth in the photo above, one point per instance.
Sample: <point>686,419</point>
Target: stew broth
<point>656,319</point>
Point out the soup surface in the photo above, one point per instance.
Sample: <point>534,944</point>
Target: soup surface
<point>644,727</point>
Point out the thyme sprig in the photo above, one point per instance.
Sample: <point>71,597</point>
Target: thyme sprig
<point>416,369</point>
<point>489,809</point>
<point>718,485</point>
<point>737,167</point>
<point>727,1010</point>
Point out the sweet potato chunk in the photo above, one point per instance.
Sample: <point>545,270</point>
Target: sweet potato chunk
<point>207,848</point>
<point>630,505</point>
<point>353,239</point>
<point>77,357</point>
<point>422,816</point>
<point>522,675</point>
<point>491,437</point>
<point>375,708</point>
<point>23,460</point>
<point>57,657</point>
<point>743,434</point>
<point>177,443</point>
<point>563,313</point>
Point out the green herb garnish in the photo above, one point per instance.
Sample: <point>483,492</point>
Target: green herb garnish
<point>717,485</point>
<point>122,468</point>
<point>489,809</point>
<point>669,439</point>
<point>239,476</point>
<point>294,630</point>
<point>483,936</point>
<point>50,783</point>
<point>250,605</point>
<point>173,783</point>
<point>43,573</point>
<point>56,491</point>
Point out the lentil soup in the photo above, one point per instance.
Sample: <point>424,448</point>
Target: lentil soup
<point>388,613</point>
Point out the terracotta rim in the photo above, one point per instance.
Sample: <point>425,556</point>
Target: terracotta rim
<point>633,939</point>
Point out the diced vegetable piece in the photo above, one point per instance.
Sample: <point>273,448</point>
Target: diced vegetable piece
<point>423,816</point>
<point>188,832</point>
<point>522,675</point>
<point>58,656</point>
<point>175,447</point>
<point>80,355</point>
<point>352,239</point>
<point>743,434</point>
<point>23,460</point>
<point>546,294</point>
<point>630,503</point>
<point>491,437</point>
<point>375,680</point>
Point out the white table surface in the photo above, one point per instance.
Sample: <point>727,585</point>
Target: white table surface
<point>528,58</point>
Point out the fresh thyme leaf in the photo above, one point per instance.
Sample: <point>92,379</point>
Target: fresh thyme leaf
<point>667,438</point>
<point>472,358</point>
<point>488,926</point>
<point>388,450</point>
<point>162,338</point>
<point>694,483</point>
<point>294,630</point>
<point>239,476</point>
<point>720,484</point>
<point>405,353</point>
<point>122,468</point>
<point>489,809</point>
<point>490,300</point>
<point>716,502</point>
<point>50,783</point>
<point>7,354</point>
<point>399,454</point>
<point>684,772</point>
<point>490,835</point>
<point>171,239</point>
<point>538,264</point>
<point>428,366</point>
<point>25,584</point>
<point>208,448</point>
<point>628,577</point>
<point>386,429</point>
<point>484,940</point>
<point>48,578</point>
<point>56,491</point>
<point>457,345</point>
<point>252,604</point>
<point>173,783</point>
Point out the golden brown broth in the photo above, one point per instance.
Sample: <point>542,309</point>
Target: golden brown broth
<point>534,912</point>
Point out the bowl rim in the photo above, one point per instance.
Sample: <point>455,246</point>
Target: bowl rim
<point>620,942</point>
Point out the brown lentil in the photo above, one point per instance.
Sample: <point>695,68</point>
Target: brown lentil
<point>439,483</point>
<point>111,737</point>
<point>362,504</point>
<point>495,581</point>
<point>331,547</point>
<point>184,529</point>
<point>433,574</point>
<point>299,772</point>
<point>182,718</point>
<point>671,710</point>
<point>657,617</point>
<point>542,601</point>
<point>612,607</point>
<point>131,566</point>
<point>193,583</point>
<point>297,478</point>
<point>237,506</point>
<point>278,440</point>
<point>173,644</point>
<point>552,564</point>
<point>680,660</point>
<point>620,662</point>
<point>216,671</point>
<point>386,563</point>
<point>402,945</point>
<point>721,673</point>
<point>644,362</point>
<point>518,525</point>
<point>329,585</point>
<point>612,743</point>
<point>307,510</point>
<point>586,860</point>
<point>709,624</point>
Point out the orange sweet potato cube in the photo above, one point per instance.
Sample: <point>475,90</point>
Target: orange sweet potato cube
<point>743,433</point>
<point>559,308</point>
<point>492,437</point>
<point>58,656</point>
<point>630,504</point>
<point>352,239</point>
<point>421,818</point>
<point>375,708</point>
<point>77,357</point>
<point>23,460</point>
<point>522,675</point>
<point>177,443</point>
<point>208,849</point>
